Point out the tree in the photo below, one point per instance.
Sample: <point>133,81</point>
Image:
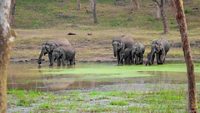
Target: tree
<point>134,4</point>
<point>181,20</point>
<point>12,12</point>
<point>158,12</point>
<point>161,5</point>
<point>78,5</point>
<point>5,38</point>
<point>93,7</point>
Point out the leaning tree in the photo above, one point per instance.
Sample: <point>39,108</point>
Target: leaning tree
<point>181,20</point>
<point>5,40</point>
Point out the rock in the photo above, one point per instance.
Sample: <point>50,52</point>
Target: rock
<point>70,33</point>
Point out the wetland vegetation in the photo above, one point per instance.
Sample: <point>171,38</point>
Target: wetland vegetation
<point>99,87</point>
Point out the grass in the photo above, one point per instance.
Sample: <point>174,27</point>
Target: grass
<point>24,98</point>
<point>38,21</point>
<point>161,101</point>
<point>103,71</point>
<point>48,13</point>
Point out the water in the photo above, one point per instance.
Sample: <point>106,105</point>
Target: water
<point>94,75</point>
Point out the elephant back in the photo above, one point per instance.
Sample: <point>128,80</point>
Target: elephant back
<point>166,45</point>
<point>140,47</point>
<point>68,49</point>
<point>62,42</point>
<point>127,41</point>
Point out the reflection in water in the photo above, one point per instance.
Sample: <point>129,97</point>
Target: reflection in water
<point>30,77</point>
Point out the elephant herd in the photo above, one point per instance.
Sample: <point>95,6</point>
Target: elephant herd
<point>58,50</point>
<point>129,51</point>
<point>125,49</point>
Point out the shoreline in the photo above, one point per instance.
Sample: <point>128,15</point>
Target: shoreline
<point>103,60</point>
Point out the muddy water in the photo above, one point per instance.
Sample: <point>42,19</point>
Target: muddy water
<point>28,76</point>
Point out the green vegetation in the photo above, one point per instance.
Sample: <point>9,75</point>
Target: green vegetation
<point>41,20</point>
<point>102,71</point>
<point>24,98</point>
<point>50,19</point>
<point>48,13</point>
<point>162,101</point>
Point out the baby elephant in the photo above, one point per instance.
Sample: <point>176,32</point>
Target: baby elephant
<point>64,54</point>
<point>137,53</point>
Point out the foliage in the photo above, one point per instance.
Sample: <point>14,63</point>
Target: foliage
<point>50,13</point>
<point>161,101</point>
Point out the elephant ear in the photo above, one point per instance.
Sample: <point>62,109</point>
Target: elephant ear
<point>60,52</point>
<point>122,45</point>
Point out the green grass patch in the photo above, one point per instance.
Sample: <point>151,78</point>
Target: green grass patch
<point>161,101</point>
<point>119,103</point>
<point>25,98</point>
<point>100,71</point>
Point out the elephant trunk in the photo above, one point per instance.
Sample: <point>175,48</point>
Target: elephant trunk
<point>40,56</point>
<point>115,51</point>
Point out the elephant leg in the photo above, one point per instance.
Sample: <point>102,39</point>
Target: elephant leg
<point>121,58</point>
<point>63,62</point>
<point>118,58</point>
<point>64,59</point>
<point>136,60</point>
<point>133,60</point>
<point>158,58</point>
<point>141,59</point>
<point>73,61</point>
<point>152,59</point>
<point>50,59</point>
<point>162,59</point>
<point>58,62</point>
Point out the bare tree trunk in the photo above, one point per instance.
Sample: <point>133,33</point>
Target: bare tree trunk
<point>134,4</point>
<point>164,17</point>
<point>5,35</point>
<point>137,4</point>
<point>181,20</point>
<point>78,5</point>
<point>12,12</point>
<point>157,12</point>
<point>93,6</point>
<point>173,7</point>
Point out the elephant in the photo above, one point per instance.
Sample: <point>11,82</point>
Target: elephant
<point>64,54</point>
<point>119,45</point>
<point>125,56</point>
<point>150,59</point>
<point>159,48</point>
<point>49,46</point>
<point>137,53</point>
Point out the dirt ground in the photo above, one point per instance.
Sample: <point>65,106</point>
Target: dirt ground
<point>95,44</point>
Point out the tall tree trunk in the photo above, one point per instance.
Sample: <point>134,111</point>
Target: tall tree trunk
<point>94,11</point>
<point>78,5</point>
<point>12,12</point>
<point>5,36</point>
<point>134,4</point>
<point>181,20</point>
<point>137,5</point>
<point>173,7</point>
<point>91,5</point>
<point>158,11</point>
<point>164,17</point>
<point>161,5</point>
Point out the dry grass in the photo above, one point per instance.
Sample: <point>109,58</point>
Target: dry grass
<point>93,47</point>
